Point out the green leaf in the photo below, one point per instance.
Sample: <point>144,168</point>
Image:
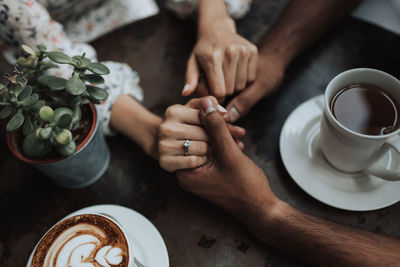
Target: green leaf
<point>75,86</point>
<point>64,121</point>
<point>81,62</point>
<point>16,121</point>
<point>38,105</point>
<point>68,149</point>
<point>30,100</point>
<point>41,48</point>
<point>85,101</point>
<point>98,68</point>
<point>27,49</point>
<point>25,93</point>
<point>55,83</point>
<point>97,93</point>
<point>33,147</point>
<point>27,127</point>
<point>1,86</point>
<point>45,133</point>
<point>60,57</point>
<point>46,113</point>
<point>77,114</point>
<point>17,88</point>
<point>59,112</point>
<point>75,126</point>
<point>93,78</point>
<point>76,100</point>
<point>6,112</point>
<point>21,80</point>
<point>64,137</point>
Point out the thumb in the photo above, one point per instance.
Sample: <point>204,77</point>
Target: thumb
<point>242,103</point>
<point>221,139</point>
<point>192,76</point>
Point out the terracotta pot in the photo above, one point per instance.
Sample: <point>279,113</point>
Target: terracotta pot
<point>81,169</point>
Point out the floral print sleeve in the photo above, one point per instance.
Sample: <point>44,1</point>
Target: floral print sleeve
<point>28,22</point>
<point>185,8</point>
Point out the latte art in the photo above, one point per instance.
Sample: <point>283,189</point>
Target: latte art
<point>84,240</point>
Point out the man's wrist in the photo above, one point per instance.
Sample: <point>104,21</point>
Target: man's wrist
<point>271,217</point>
<point>280,56</point>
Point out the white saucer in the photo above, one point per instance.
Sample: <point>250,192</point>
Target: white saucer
<point>147,242</point>
<point>303,159</point>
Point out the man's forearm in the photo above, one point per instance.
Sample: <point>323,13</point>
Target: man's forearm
<point>323,243</point>
<point>301,23</point>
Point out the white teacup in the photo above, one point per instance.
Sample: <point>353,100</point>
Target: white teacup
<point>86,243</point>
<point>347,150</point>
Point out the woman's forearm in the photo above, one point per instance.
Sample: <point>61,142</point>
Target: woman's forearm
<point>132,119</point>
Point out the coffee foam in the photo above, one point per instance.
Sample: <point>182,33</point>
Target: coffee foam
<point>84,240</point>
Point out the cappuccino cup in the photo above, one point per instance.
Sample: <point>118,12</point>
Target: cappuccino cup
<point>84,240</point>
<point>358,104</point>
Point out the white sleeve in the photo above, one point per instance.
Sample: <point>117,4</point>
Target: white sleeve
<point>28,22</point>
<point>186,8</point>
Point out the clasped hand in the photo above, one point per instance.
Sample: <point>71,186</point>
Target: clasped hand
<point>216,170</point>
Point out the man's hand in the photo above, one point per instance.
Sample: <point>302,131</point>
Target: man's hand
<point>270,72</point>
<point>229,179</point>
<point>228,61</point>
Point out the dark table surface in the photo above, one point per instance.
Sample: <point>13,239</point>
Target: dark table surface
<point>158,48</point>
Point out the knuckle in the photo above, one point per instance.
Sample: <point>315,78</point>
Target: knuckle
<point>253,49</point>
<point>240,85</point>
<point>173,111</point>
<point>163,163</point>
<point>192,162</point>
<point>231,51</point>
<point>214,55</point>
<point>242,51</point>
<point>219,93</point>
<point>165,130</point>
<point>203,148</point>
<point>163,146</point>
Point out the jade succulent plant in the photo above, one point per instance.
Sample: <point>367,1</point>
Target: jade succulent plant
<point>47,108</point>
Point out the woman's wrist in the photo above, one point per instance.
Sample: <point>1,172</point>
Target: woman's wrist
<point>149,144</point>
<point>212,12</point>
<point>132,119</point>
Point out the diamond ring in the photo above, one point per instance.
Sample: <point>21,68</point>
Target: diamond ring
<point>186,146</point>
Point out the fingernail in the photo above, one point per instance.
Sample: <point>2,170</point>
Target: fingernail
<point>226,117</point>
<point>233,114</point>
<point>208,106</point>
<point>240,128</point>
<point>185,88</point>
<point>222,109</point>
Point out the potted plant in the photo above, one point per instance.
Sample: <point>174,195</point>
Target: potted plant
<point>52,122</point>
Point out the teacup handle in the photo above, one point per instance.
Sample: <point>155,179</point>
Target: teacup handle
<point>382,172</point>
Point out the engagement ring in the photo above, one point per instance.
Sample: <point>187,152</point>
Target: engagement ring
<point>186,146</point>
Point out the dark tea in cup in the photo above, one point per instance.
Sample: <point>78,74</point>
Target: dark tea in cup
<point>366,109</point>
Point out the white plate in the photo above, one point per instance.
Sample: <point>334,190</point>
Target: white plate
<point>147,242</point>
<point>303,159</point>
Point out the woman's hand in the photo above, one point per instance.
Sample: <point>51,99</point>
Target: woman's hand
<point>183,123</point>
<point>228,60</point>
